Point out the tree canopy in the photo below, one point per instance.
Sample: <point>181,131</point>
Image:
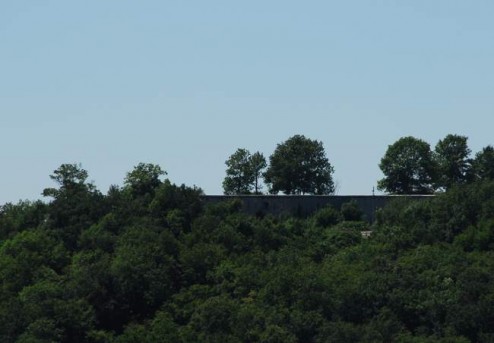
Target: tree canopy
<point>151,262</point>
<point>70,178</point>
<point>483,164</point>
<point>159,266</point>
<point>408,167</point>
<point>144,178</point>
<point>451,155</point>
<point>243,173</point>
<point>299,166</point>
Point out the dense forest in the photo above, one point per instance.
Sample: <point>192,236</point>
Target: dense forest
<point>147,262</point>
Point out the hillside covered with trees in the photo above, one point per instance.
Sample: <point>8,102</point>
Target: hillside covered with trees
<point>147,262</point>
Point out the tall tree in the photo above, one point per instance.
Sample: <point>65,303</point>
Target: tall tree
<point>238,179</point>
<point>300,166</point>
<point>257,165</point>
<point>144,178</point>
<point>408,167</point>
<point>77,204</point>
<point>243,172</point>
<point>71,178</point>
<point>483,164</point>
<point>452,159</point>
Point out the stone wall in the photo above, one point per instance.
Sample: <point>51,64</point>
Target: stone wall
<point>305,205</point>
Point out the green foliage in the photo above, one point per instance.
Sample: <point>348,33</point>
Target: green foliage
<point>407,222</point>
<point>257,166</point>
<point>48,303</point>
<point>351,211</point>
<point>155,266</point>
<point>144,268</point>
<point>483,164</point>
<point>224,208</point>
<point>89,277</point>
<point>340,332</point>
<point>176,205</point>
<point>299,166</point>
<point>98,236</point>
<point>144,178</point>
<point>338,239</point>
<point>199,260</point>
<point>277,334</point>
<point>76,204</point>
<point>21,216</point>
<point>480,237</point>
<point>452,158</point>
<point>26,255</point>
<point>161,329</point>
<point>41,331</point>
<point>71,178</point>
<point>243,172</point>
<point>214,320</point>
<point>408,167</point>
<point>327,217</point>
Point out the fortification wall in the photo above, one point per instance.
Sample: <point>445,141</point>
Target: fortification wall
<point>305,205</point>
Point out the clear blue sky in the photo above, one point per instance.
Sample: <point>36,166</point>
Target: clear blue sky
<point>184,84</point>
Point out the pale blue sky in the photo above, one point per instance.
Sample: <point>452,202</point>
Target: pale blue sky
<point>183,84</point>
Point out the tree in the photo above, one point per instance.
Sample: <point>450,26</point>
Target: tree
<point>244,172</point>
<point>24,256</point>
<point>257,165</point>
<point>71,178</point>
<point>300,166</point>
<point>144,268</point>
<point>351,211</point>
<point>77,204</point>
<point>238,179</point>
<point>408,167</point>
<point>21,216</point>
<point>144,178</point>
<point>451,156</point>
<point>483,164</point>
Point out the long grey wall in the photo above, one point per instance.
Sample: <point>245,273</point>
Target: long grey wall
<point>305,205</point>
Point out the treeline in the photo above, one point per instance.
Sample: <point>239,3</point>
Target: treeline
<point>300,166</point>
<point>147,263</point>
<point>410,166</point>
